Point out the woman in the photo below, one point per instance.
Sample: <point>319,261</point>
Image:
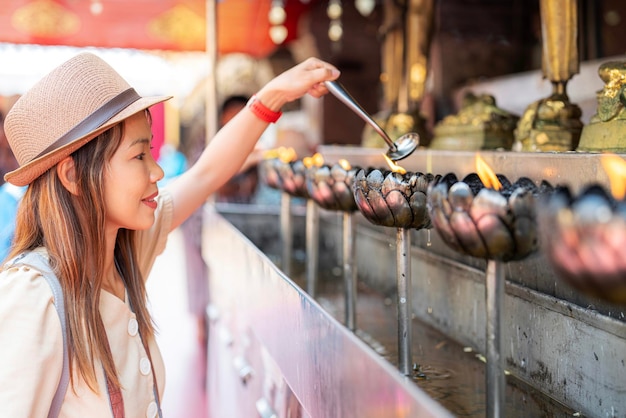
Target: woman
<point>82,137</point>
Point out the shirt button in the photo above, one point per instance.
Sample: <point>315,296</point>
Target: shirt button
<point>152,410</point>
<point>133,327</point>
<point>144,366</point>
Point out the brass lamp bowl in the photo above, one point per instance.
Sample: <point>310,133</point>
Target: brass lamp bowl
<point>584,239</point>
<point>392,199</point>
<point>331,187</point>
<point>483,222</point>
<point>293,178</point>
<point>270,172</point>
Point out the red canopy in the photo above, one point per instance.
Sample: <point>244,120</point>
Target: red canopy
<point>177,25</point>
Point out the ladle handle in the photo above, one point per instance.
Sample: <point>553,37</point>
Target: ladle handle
<point>340,93</point>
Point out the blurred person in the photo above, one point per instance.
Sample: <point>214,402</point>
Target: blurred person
<point>196,269</point>
<point>242,187</point>
<point>246,186</point>
<point>239,189</point>
<point>7,159</point>
<point>94,218</point>
<point>10,194</point>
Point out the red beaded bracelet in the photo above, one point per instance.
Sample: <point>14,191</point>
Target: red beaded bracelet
<point>261,111</point>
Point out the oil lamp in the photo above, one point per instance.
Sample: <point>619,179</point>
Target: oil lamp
<point>312,226</point>
<point>330,187</point>
<point>584,235</point>
<point>395,198</point>
<point>486,216</point>
<point>277,170</point>
<point>273,160</point>
<point>281,170</point>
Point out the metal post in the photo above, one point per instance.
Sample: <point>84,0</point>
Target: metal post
<point>349,270</point>
<point>312,246</point>
<point>403,281</point>
<point>494,295</point>
<point>211,87</point>
<point>286,234</point>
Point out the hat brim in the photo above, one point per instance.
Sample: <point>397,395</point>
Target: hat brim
<point>35,168</point>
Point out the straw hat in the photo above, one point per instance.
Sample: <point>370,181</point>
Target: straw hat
<point>70,106</point>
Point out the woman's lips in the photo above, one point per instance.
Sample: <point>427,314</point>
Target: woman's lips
<point>150,202</point>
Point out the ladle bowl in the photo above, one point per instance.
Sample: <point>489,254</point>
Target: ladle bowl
<point>402,148</point>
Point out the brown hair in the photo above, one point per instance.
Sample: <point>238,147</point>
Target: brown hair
<point>71,228</point>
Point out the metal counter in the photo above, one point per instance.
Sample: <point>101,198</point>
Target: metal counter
<point>573,169</point>
<point>573,354</point>
<point>569,345</point>
<point>274,352</point>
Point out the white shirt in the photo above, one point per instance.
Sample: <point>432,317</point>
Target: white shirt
<point>31,346</point>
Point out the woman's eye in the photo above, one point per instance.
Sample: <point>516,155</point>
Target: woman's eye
<point>141,156</point>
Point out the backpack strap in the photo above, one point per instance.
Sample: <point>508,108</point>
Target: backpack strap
<point>39,262</point>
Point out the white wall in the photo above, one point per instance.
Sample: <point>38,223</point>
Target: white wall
<point>150,73</point>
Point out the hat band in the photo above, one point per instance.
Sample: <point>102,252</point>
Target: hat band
<point>94,120</point>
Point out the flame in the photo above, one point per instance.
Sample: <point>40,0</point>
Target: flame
<point>344,164</point>
<point>270,154</point>
<point>486,174</point>
<point>285,154</point>
<point>393,166</point>
<point>615,168</point>
<point>316,160</point>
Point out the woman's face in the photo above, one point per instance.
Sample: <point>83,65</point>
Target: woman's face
<point>130,185</point>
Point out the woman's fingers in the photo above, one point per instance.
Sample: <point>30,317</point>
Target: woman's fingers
<point>306,77</point>
<point>320,71</point>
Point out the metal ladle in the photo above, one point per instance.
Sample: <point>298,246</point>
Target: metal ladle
<point>402,148</point>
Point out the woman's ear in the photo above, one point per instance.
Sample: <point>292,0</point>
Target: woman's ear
<point>67,174</point>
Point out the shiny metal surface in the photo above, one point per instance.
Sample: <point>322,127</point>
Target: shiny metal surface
<point>584,239</point>
<point>392,199</point>
<point>402,148</point>
<point>292,177</point>
<point>405,145</point>
<point>405,307</point>
<point>483,222</point>
<point>269,172</point>
<point>264,409</point>
<point>330,186</point>
<point>349,269</point>
<point>494,297</point>
<point>544,344</point>
<point>312,246</point>
<point>286,232</point>
<point>330,371</point>
<point>396,200</point>
<point>548,342</point>
<point>346,98</point>
<point>567,168</point>
<point>573,351</point>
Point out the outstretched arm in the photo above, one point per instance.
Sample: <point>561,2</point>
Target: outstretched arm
<point>228,150</point>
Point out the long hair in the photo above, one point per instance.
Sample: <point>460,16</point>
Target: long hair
<point>71,228</point>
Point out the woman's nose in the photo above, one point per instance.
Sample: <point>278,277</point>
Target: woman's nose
<point>156,172</point>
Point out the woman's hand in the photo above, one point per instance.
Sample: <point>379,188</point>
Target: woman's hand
<point>306,77</point>
<point>230,147</point>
